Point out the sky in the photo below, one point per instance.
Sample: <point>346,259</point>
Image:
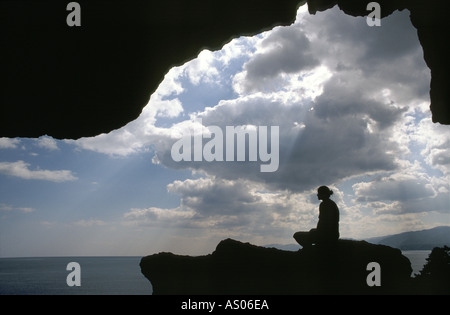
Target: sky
<point>352,106</point>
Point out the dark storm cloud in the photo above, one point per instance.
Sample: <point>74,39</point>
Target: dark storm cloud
<point>390,52</point>
<point>395,188</point>
<point>344,96</point>
<point>408,192</point>
<point>315,148</point>
<point>285,50</point>
<point>345,131</point>
<point>212,196</point>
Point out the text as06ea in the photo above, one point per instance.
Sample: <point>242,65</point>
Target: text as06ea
<point>247,305</point>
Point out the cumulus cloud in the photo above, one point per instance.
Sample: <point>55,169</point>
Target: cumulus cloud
<point>339,125</point>
<point>232,208</point>
<point>202,69</point>
<point>395,187</point>
<point>410,191</point>
<point>8,143</point>
<point>350,101</point>
<point>284,51</point>
<point>21,169</point>
<point>435,142</point>
<point>307,141</point>
<point>47,143</point>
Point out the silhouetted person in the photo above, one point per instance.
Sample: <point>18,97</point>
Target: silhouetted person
<point>327,231</point>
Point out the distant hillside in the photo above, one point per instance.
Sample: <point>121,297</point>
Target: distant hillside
<point>416,240</point>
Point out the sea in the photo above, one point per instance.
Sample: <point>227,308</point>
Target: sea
<point>418,259</point>
<point>96,275</point>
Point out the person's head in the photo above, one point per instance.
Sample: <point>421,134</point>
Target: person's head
<point>324,193</point>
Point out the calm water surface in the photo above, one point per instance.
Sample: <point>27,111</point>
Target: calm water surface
<point>47,276</point>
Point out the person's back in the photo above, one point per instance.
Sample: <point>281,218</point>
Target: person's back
<point>327,231</point>
<point>328,225</point>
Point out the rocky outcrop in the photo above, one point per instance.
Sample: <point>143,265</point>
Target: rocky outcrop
<point>242,268</point>
<point>70,82</point>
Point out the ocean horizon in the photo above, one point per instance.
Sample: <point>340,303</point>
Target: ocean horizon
<point>418,259</point>
<point>104,275</point>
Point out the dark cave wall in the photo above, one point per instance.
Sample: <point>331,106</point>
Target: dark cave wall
<point>72,82</point>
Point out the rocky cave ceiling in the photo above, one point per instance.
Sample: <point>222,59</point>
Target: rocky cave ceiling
<point>61,81</point>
